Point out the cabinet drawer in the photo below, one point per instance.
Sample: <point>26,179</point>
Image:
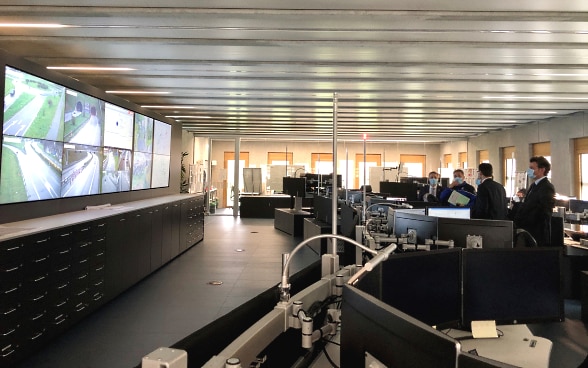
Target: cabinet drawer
<point>11,250</point>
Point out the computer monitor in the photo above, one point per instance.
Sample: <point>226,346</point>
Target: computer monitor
<point>392,337</point>
<point>577,205</point>
<point>296,187</point>
<point>424,285</point>
<point>449,212</point>
<point>409,191</point>
<point>476,233</point>
<point>323,209</point>
<point>512,286</point>
<point>424,226</point>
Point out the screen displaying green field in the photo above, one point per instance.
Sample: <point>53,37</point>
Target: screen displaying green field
<point>33,106</point>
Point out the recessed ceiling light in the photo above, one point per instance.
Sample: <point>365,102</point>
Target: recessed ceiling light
<point>167,107</point>
<point>89,68</point>
<point>32,25</point>
<point>138,92</point>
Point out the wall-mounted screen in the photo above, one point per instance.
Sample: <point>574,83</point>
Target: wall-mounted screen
<point>31,169</point>
<point>160,175</point>
<point>83,119</point>
<point>33,106</point>
<point>58,142</point>
<point>81,170</point>
<point>118,127</point>
<point>161,138</point>
<point>116,170</point>
<point>143,133</point>
<point>142,163</point>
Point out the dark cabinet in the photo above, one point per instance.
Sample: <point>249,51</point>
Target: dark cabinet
<point>156,238</point>
<point>55,278</point>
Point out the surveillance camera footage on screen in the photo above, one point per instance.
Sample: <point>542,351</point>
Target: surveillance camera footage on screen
<point>58,142</point>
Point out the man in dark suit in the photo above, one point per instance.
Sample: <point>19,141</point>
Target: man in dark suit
<point>491,201</point>
<point>433,188</point>
<point>534,215</point>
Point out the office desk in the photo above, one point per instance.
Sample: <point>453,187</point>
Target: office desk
<point>517,346</point>
<point>290,221</point>
<point>262,206</point>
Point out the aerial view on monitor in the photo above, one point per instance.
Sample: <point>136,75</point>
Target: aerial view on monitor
<point>83,119</point>
<point>143,133</point>
<point>116,170</point>
<point>33,107</point>
<point>81,170</point>
<point>31,169</point>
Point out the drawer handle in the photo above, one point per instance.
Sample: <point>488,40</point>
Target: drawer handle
<point>40,297</point>
<point>122,219</point>
<point>40,278</point>
<point>57,323</point>
<point>13,248</point>
<point>42,241</point>
<point>61,304</point>
<point>84,245</point>
<point>9,332</point>
<point>11,290</point>
<point>38,316</point>
<point>80,307</point>
<point>81,277</point>
<point>101,225</point>
<point>40,260</point>
<point>65,234</point>
<point>64,268</point>
<point>38,335</point>
<point>12,269</point>
<point>100,240</point>
<point>100,268</point>
<point>83,261</point>
<point>81,292</point>
<point>5,355</point>
<point>99,254</point>
<point>65,251</point>
<point>85,229</point>
<point>9,311</point>
<point>63,286</point>
<point>99,283</point>
<point>97,297</point>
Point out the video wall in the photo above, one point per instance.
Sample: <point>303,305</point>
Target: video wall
<point>58,142</point>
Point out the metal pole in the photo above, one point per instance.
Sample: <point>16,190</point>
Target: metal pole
<point>335,184</point>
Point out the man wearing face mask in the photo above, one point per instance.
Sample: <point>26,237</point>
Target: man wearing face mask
<point>460,185</point>
<point>433,188</point>
<point>516,203</point>
<point>534,215</point>
<point>491,201</point>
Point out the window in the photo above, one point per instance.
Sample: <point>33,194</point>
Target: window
<point>322,163</point>
<point>279,158</point>
<point>581,155</point>
<point>447,161</point>
<point>509,168</point>
<point>413,165</point>
<point>371,160</point>
<point>462,160</point>
<point>483,156</point>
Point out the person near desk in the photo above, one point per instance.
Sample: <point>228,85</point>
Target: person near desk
<point>534,215</point>
<point>491,201</point>
<point>516,203</point>
<point>433,188</point>
<point>461,186</point>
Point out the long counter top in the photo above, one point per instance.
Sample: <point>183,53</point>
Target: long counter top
<point>40,224</point>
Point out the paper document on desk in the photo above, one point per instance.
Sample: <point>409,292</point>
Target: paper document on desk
<point>484,329</point>
<point>458,199</point>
